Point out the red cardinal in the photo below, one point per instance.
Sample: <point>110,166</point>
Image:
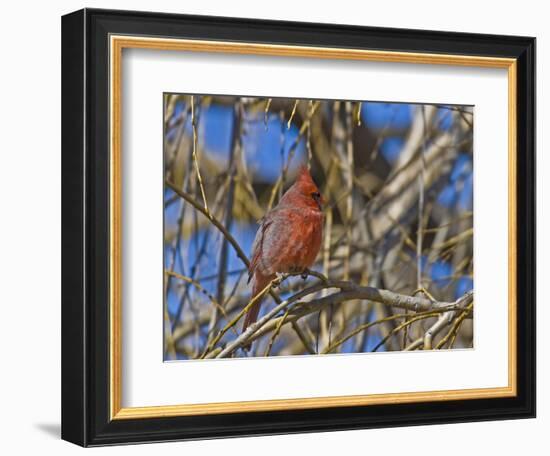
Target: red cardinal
<point>288,239</point>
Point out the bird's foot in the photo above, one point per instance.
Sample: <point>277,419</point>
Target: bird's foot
<point>279,278</point>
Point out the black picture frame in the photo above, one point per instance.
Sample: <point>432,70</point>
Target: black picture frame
<point>85,227</point>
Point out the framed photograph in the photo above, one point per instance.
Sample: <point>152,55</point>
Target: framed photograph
<point>275,227</point>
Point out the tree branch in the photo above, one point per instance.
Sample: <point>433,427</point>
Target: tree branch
<point>348,292</point>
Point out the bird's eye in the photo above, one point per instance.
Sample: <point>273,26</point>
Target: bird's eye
<point>316,196</point>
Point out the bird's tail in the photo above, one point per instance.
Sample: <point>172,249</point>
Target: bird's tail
<point>260,282</point>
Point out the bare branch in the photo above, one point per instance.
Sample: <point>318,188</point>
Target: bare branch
<point>348,291</point>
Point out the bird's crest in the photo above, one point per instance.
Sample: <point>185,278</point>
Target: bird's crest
<point>304,175</point>
<point>304,182</point>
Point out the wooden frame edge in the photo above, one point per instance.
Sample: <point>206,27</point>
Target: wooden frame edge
<point>165,411</point>
<point>116,45</point>
<point>115,234</point>
<point>512,227</point>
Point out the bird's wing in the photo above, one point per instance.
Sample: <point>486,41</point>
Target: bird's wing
<point>257,245</point>
<point>273,239</point>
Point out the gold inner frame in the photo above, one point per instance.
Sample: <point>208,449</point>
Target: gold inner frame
<point>117,44</point>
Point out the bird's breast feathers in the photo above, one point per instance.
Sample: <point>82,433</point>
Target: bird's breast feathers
<point>288,240</point>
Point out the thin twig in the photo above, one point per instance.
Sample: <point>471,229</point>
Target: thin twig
<point>275,334</point>
<point>213,219</point>
<point>358,107</point>
<point>199,287</point>
<point>289,123</point>
<point>443,321</point>
<point>369,325</point>
<point>455,328</point>
<point>195,158</point>
<point>245,309</point>
<point>266,112</point>
<point>291,151</point>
